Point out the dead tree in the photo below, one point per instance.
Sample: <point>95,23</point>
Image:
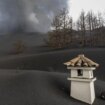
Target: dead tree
<point>60,36</point>
<point>81,26</point>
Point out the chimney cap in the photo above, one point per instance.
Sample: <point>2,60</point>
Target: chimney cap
<point>81,61</point>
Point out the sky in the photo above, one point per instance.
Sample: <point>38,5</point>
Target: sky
<point>75,7</point>
<point>28,15</point>
<point>37,15</point>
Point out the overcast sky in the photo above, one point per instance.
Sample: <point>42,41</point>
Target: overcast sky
<point>28,15</point>
<point>77,5</point>
<point>36,15</point>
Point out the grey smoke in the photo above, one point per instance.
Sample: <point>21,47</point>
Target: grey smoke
<point>28,15</point>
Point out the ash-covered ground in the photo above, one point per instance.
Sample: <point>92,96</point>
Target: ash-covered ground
<point>41,78</point>
<point>33,87</point>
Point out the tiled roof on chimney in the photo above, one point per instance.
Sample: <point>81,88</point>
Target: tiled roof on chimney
<point>81,61</point>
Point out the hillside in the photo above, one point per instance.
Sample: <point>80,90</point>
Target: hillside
<point>30,40</point>
<point>41,78</point>
<point>53,61</point>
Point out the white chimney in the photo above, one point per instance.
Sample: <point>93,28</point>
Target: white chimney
<point>82,79</point>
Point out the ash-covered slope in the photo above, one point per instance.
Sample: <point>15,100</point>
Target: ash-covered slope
<point>39,88</point>
<point>53,61</point>
<point>7,42</point>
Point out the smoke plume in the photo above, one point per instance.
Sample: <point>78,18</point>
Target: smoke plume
<point>28,15</point>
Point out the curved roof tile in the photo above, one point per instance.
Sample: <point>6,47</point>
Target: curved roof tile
<point>81,61</point>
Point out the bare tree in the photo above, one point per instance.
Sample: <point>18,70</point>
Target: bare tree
<point>91,24</point>
<point>100,20</point>
<point>62,25</point>
<point>101,28</point>
<point>81,26</point>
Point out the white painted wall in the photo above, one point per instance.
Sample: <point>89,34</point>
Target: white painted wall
<point>92,91</point>
<point>74,73</point>
<point>83,91</point>
<point>86,74</point>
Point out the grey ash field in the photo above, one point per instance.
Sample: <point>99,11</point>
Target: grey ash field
<point>41,78</point>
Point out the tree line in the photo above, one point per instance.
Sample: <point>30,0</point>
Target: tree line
<point>88,30</point>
